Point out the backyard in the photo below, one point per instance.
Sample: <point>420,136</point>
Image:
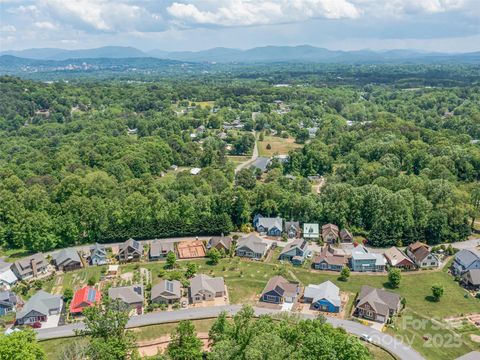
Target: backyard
<point>280,146</point>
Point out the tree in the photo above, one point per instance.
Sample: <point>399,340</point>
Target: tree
<point>345,274</point>
<point>394,277</point>
<point>105,329</point>
<point>268,147</point>
<point>171,259</point>
<point>214,256</point>
<point>67,294</point>
<point>184,343</point>
<point>246,178</point>
<point>21,345</point>
<point>191,270</point>
<point>91,281</point>
<point>437,291</point>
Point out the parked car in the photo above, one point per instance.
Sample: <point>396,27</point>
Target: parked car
<point>37,325</point>
<point>184,304</point>
<point>366,338</point>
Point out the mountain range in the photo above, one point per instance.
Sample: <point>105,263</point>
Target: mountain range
<point>304,53</point>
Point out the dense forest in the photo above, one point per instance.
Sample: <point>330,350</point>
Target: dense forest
<point>89,161</point>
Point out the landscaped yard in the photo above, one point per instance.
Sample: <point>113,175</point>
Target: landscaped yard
<point>246,279</point>
<point>278,145</point>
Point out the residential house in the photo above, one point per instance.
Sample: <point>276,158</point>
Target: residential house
<point>330,233</point>
<point>270,226</point>
<point>205,288</point>
<point>330,259</point>
<point>346,236</point>
<point>8,302</point>
<point>376,304</point>
<point>471,279</point>
<point>131,296</point>
<point>421,255</point>
<point>261,163</point>
<point>220,243</point>
<point>279,290</point>
<point>83,298</point>
<point>323,297</point>
<point>292,229</point>
<point>67,259</point>
<point>7,276</point>
<point>30,267</point>
<point>159,250</point>
<point>195,171</point>
<point>363,260</point>
<point>39,307</point>
<point>252,246</point>
<point>98,254</point>
<point>166,292</point>
<point>295,252</point>
<point>398,259</point>
<point>311,231</point>
<point>130,250</point>
<point>466,259</point>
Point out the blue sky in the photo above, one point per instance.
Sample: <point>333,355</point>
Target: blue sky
<point>430,25</point>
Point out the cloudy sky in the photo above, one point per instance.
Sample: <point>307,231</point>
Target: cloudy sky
<point>430,25</point>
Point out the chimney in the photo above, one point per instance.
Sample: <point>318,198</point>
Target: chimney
<point>33,264</point>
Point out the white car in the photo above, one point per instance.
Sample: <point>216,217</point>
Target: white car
<point>366,338</point>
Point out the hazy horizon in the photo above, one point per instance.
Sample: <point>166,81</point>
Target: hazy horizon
<point>451,26</point>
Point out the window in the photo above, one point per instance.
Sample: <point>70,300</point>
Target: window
<point>432,263</point>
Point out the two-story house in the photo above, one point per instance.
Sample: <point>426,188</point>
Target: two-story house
<point>362,260</point>
<point>295,252</point>
<point>422,256</point>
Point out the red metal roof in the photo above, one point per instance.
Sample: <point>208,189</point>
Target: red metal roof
<point>84,297</point>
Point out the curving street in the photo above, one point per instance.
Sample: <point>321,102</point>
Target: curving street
<point>384,340</point>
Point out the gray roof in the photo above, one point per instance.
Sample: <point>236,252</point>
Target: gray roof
<point>474,275</point>
<point>98,249</point>
<point>326,290</point>
<point>8,298</point>
<point>159,246</point>
<point>202,282</point>
<point>299,243</point>
<point>289,224</point>
<point>269,222</point>
<point>380,300</point>
<point>281,286</point>
<point>226,241</point>
<point>467,256</point>
<point>128,294</point>
<point>261,163</point>
<point>361,253</point>
<point>134,244</point>
<point>23,266</point>
<point>65,255</point>
<point>41,302</point>
<point>254,243</point>
<point>167,289</point>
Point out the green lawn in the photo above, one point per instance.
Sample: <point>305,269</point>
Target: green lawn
<point>245,281</point>
<point>12,255</point>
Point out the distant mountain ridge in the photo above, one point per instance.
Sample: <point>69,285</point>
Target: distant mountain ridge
<point>305,53</point>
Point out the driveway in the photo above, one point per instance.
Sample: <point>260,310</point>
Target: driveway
<point>392,344</point>
<point>52,322</point>
<point>252,159</point>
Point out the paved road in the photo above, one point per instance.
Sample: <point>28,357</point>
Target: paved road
<point>252,159</point>
<point>395,346</point>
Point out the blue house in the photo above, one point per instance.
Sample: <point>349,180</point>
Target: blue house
<point>8,301</point>
<point>323,297</point>
<point>295,252</point>
<point>362,260</point>
<point>465,260</point>
<point>98,254</point>
<point>269,226</point>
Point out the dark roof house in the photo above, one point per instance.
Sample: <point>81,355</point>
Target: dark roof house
<point>466,259</point>
<point>421,255</point>
<point>29,267</point>
<point>279,290</point>
<point>130,250</point>
<point>166,292</point>
<point>330,233</point>
<point>67,259</point>
<point>330,259</point>
<point>8,301</point>
<point>98,254</point>
<point>220,243</point>
<point>295,251</point>
<point>377,304</point>
<point>159,249</point>
<point>346,236</point>
<point>131,296</point>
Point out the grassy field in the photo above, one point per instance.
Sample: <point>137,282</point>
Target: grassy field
<point>13,254</point>
<point>278,145</point>
<point>238,159</point>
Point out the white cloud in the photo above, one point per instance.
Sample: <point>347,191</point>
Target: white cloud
<point>253,12</point>
<point>46,25</point>
<point>8,29</point>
